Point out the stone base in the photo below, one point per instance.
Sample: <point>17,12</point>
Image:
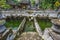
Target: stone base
<point>55,29</point>
<point>54,35</point>
<point>49,34</point>
<point>46,35</point>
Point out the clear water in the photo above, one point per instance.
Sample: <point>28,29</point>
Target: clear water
<point>29,27</point>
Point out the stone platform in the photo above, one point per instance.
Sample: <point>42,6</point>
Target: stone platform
<point>29,36</point>
<point>49,34</point>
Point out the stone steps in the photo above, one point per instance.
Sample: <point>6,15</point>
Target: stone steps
<point>5,34</point>
<point>29,36</point>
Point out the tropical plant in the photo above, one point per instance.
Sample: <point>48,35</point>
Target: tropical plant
<point>57,5</point>
<point>32,2</point>
<point>48,4</point>
<point>4,5</point>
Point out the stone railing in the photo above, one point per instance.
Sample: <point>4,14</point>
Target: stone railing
<point>49,14</point>
<point>5,34</point>
<point>38,29</point>
<point>20,29</point>
<point>21,26</point>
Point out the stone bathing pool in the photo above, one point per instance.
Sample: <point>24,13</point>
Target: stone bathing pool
<point>29,31</point>
<point>28,27</point>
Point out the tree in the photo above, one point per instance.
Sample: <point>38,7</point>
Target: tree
<point>48,4</point>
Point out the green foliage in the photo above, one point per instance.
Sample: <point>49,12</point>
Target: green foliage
<point>44,23</point>
<point>29,26</point>
<point>4,5</point>
<point>47,4</point>
<point>32,2</point>
<point>44,4</point>
<point>12,23</point>
<point>16,1</point>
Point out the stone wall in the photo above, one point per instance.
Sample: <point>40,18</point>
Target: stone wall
<point>38,29</point>
<point>49,14</point>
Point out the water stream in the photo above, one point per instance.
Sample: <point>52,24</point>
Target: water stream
<point>29,26</point>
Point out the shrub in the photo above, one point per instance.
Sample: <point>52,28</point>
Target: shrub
<point>4,5</point>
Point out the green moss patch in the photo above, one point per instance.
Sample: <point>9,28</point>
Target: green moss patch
<point>14,24</point>
<point>44,23</point>
<point>29,27</point>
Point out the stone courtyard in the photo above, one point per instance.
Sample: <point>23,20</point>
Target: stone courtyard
<point>29,19</point>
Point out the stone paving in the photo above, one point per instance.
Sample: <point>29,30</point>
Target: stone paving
<point>29,36</point>
<point>54,35</point>
<point>48,33</point>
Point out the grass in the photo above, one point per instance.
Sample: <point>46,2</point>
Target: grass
<point>29,27</point>
<point>44,23</point>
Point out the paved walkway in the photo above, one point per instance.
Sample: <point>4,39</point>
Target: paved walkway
<point>29,36</point>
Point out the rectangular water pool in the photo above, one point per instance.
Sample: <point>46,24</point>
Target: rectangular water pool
<point>29,26</point>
